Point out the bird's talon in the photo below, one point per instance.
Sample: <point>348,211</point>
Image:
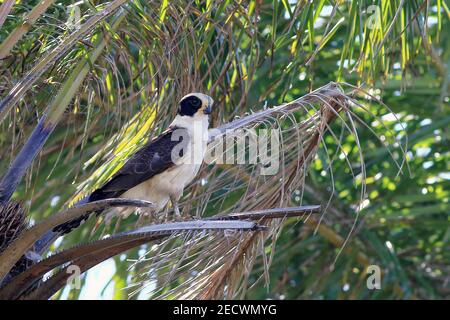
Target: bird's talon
<point>177,217</point>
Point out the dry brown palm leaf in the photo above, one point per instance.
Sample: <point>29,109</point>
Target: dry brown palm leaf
<point>24,242</point>
<point>211,268</point>
<point>219,268</point>
<point>88,255</point>
<point>202,266</point>
<point>193,257</point>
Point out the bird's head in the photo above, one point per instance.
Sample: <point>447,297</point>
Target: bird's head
<point>195,104</point>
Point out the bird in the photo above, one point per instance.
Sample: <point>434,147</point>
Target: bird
<point>160,170</point>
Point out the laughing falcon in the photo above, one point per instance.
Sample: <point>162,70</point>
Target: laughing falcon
<point>164,166</point>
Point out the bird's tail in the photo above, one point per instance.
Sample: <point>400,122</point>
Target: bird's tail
<point>41,245</point>
<point>44,243</point>
<point>47,239</point>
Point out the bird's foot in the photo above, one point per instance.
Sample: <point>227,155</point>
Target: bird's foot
<point>177,216</point>
<point>149,215</point>
<point>176,211</point>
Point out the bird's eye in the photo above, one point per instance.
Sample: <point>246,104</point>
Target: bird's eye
<point>196,102</point>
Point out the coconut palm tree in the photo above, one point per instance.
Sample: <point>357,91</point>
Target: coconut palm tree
<point>356,92</point>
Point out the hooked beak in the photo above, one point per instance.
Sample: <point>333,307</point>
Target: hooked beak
<point>207,110</point>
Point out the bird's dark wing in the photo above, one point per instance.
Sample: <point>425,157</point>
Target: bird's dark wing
<point>150,160</point>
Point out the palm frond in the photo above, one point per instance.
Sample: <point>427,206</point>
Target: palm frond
<point>91,254</point>
<point>10,255</point>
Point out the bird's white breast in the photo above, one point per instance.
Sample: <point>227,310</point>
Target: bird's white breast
<point>172,181</point>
